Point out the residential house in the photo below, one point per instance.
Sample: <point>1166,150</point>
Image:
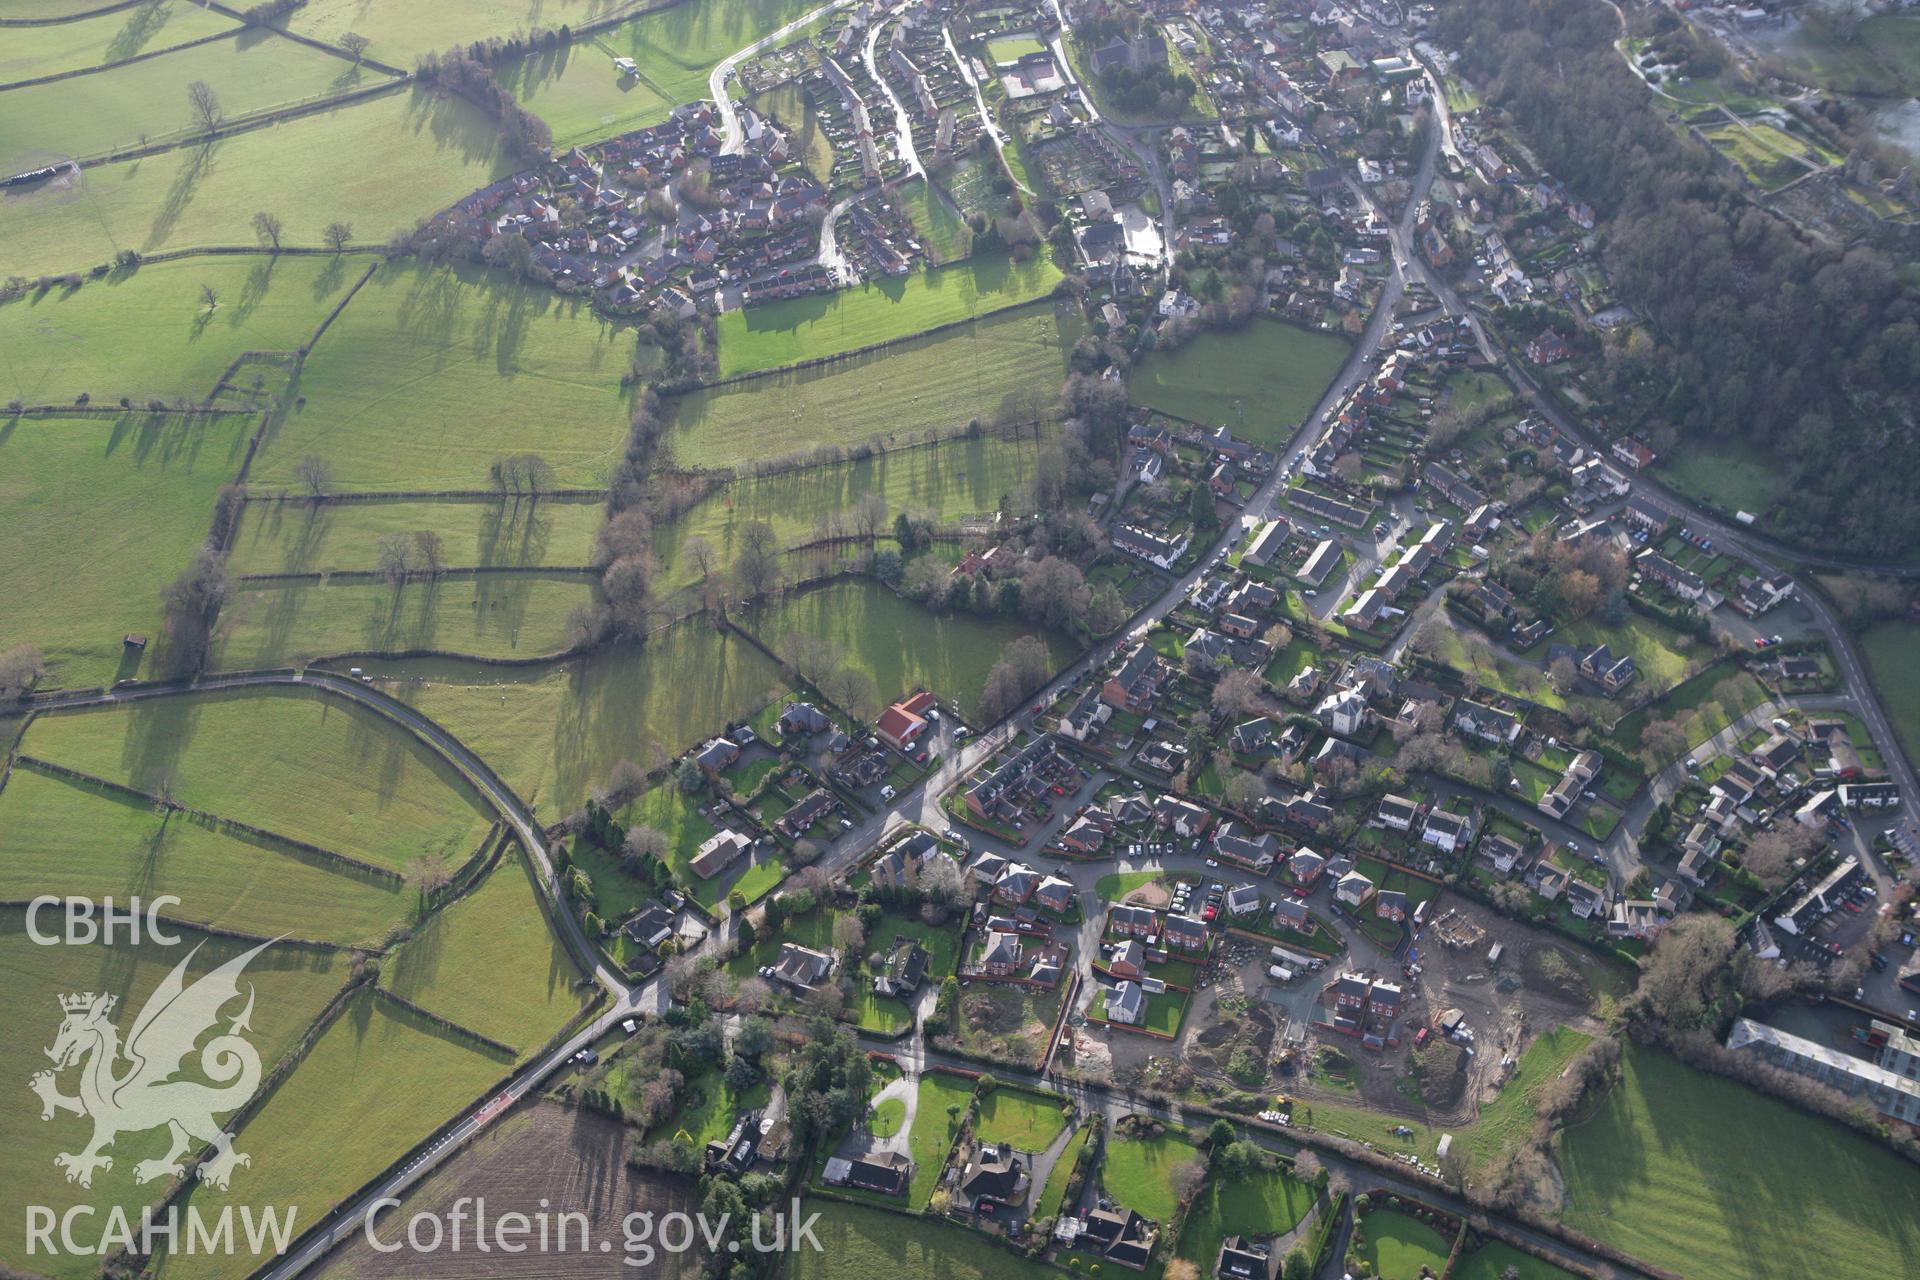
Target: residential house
<point>1604,669</point>
<point>718,852</point>
<point>1396,813</point>
<point>995,1175</point>
<point>1489,724</point>
<point>1137,682</point>
<point>884,1173</point>
<point>1352,889</point>
<point>904,970</point>
<point>1001,955</point>
<point>1447,831</point>
<point>801,967</point>
<point>1127,1003</point>
<point>1390,904</point>
<point>1185,933</point>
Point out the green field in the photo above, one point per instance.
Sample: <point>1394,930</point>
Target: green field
<point>1698,705</point>
<point>899,644</point>
<point>576,90</point>
<point>794,329</point>
<point>1770,1191</point>
<point>1882,58</point>
<point>1506,1120</point>
<point>146,334</point>
<point>299,537</point>
<point>493,615</point>
<point>1010,363</point>
<point>1026,1120</point>
<point>1138,1173</point>
<point>946,481</point>
<point>401,32</point>
<point>553,731</point>
<point>944,233</point>
<point>89,843</point>
<point>1730,474</point>
<point>788,106</point>
<point>1655,650</point>
<point>1893,653</point>
<point>105,111</point>
<point>292,761</point>
<point>377,1081</point>
<point>1491,1260</point>
<point>84,569</point>
<point>432,374</point>
<point>1398,1245</point>
<point>337,165</point>
<point>933,1133</point>
<point>292,984</point>
<point>859,1243</point>
<point>1007,50</point>
<point>491,962</point>
<point>31,52</point>
<point>1262,380</point>
<point>1259,1204</point>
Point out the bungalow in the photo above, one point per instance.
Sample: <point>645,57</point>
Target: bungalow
<point>801,967</point>
<point>1267,543</point>
<point>994,1176</point>
<point>1123,1236</point>
<point>1243,1259</point>
<point>1319,563</point>
<point>1447,831</point>
<point>718,852</point>
<point>884,1173</point>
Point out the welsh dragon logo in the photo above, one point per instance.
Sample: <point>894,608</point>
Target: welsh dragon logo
<point>143,1094</point>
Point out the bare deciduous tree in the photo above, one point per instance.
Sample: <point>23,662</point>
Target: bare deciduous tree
<point>21,667</point>
<point>267,226</point>
<point>395,555</point>
<point>315,475</point>
<point>337,235</point>
<point>356,44</point>
<point>205,105</point>
<point>757,565</point>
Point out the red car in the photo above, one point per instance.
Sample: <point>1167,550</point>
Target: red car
<point>1210,913</point>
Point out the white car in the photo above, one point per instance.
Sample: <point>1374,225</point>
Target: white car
<point>887,792</point>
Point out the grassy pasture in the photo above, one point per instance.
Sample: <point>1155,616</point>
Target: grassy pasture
<point>1009,361</point>
<point>381,165</point>
<point>576,90</point>
<point>794,329</point>
<point>1893,652</point>
<point>293,985</point>
<point>93,844</point>
<point>1771,1191</point>
<point>378,1080</point>
<point>1271,372</point>
<point>1259,1204</point>
<point>494,615</point>
<point>297,537</point>
<point>30,52</point>
<point>292,761</point>
<point>431,374</point>
<point>102,111</point>
<point>554,730</point>
<point>144,334</point>
<point>1728,473</point>
<point>491,962</point>
<point>400,32</point>
<point>947,480</point>
<point>82,571</point>
<point>858,1243</point>
<point>1138,1172</point>
<point>896,642</point>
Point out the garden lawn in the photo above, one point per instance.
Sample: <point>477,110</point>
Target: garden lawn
<point>1264,1203</point>
<point>1027,1120</point>
<point>294,761</point>
<point>491,963</point>
<point>886,1118</point>
<point>1009,362</point>
<point>277,623</point>
<point>1771,1191</point>
<point>432,374</point>
<point>787,105</point>
<point>933,1131</point>
<point>554,730</point>
<point>1399,1245</point>
<point>400,32</point>
<point>97,515</point>
<point>335,165</point>
<point>677,815</point>
<point>1704,705</point>
<point>940,226</point>
<point>946,481</point>
<point>1893,654</point>
<point>1262,379</point>
<point>147,335</point>
<point>858,1243</point>
<point>1491,1261</point>
<point>794,329</point>
<point>105,111</point>
<point>1116,887</point>
<point>1138,1172</point>
<point>377,1081</point>
<point>148,28</point>
<point>491,533</point>
<point>1007,50</point>
<point>292,985</point>
<point>1055,1192</point>
<point>75,841</point>
<point>576,90</point>
<point>899,644</point>
<point>1655,649</point>
<point>712,1118</point>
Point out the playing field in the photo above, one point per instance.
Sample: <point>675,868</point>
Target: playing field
<point>292,761</point>
<point>291,984</point>
<point>795,329</point>
<point>380,165</point>
<point>1011,362</point>
<point>489,615</point>
<point>1771,1192</point>
<point>1007,50</point>
<point>495,533</point>
<point>105,111</point>
<point>98,514</point>
<point>432,374</point>
<point>147,334</point>
<point>377,1081</point>
<point>491,963</point>
<point>577,91</point>
<point>859,1243</point>
<point>30,52</point>
<point>899,644</point>
<point>946,481</point>
<point>553,731</point>
<point>401,32</point>
<point>92,843</point>
<point>1262,379</point>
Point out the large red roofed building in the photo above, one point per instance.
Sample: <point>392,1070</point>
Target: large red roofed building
<point>902,723</point>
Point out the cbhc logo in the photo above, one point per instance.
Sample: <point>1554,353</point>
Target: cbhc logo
<point>88,921</point>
